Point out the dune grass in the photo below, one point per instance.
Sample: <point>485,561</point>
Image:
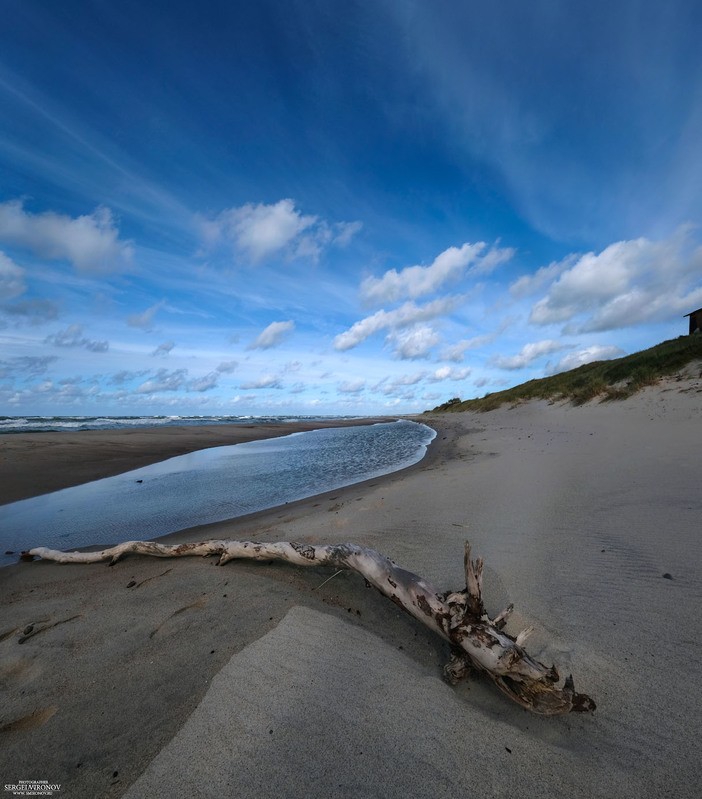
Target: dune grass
<point>606,380</point>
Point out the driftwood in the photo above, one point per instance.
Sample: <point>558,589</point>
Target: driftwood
<point>478,642</point>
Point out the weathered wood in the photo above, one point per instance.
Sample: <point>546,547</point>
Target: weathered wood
<point>478,642</point>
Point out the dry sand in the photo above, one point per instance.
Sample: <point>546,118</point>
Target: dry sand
<point>176,678</point>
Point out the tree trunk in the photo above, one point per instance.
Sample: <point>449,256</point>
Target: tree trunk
<point>478,642</point>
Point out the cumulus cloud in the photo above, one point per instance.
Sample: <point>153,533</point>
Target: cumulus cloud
<point>404,316</point>
<point>265,381</point>
<point>530,284</point>
<point>390,386</point>
<point>163,349</point>
<point>448,373</point>
<point>145,320</point>
<point>414,342</point>
<point>258,231</point>
<point>628,283</point>
<point>227,367</point>
<point>413,282</point>
<point>163,380</point>
<point>456,352</point>
<point>351,386</point>
<point>11,278</point>
<point>125,376</point>
<point>204,383</point>
<point>528,354</point>
<point>73,336</point>
<point>26,366</point>
<point>597,352</point>
<point>90,242</point>
<point>272,335</point>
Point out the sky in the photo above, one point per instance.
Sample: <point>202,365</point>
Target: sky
<point>322,207</point>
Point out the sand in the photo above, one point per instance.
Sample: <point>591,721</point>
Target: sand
<point>179,678</point>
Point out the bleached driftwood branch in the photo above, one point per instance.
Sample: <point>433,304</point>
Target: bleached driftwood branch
<point>478,642</point>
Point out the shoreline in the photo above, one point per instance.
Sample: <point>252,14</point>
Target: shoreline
<point>250,679</point>
<point>39,463</point>
<point>153,445</point>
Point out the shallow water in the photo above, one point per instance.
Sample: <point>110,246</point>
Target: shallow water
<point>210,485</point>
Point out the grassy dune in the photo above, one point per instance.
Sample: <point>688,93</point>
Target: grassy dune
<point>606,380</point>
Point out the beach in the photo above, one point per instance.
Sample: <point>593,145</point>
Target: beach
<point>178,678</point>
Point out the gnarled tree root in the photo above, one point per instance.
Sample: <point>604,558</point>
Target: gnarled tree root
<point>478,642</point>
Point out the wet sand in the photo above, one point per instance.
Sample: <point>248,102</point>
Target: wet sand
<point>179,678</point>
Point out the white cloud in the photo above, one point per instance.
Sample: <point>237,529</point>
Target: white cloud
<point>227,367</point>
<point>125,376</point>
<point>391,386</point>
<point>455,352</point>
<point>528,354</point>
<point>163,349</point>
<point>597,352</point>
<point>11,278</point>
<point>530,284</point>
<point>272,335</point>
<point>91,242</point>
<point>259,231</point>
<point>344,232</point>
<point>404,316</point>
<point>351,386</point>
<point>413,282</point>
<point>448,373</point>
<point>163,380</point>
<point>414,342</point>
<point>265,381</point>
<point>145,320</point>
<point>628,283</point>
<point>73,336</point>
<point>204,383</point>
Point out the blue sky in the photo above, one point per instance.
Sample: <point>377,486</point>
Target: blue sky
<point>338,207</point>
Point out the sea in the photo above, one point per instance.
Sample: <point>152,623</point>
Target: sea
<point>56,424</point>
<point>208,485</point>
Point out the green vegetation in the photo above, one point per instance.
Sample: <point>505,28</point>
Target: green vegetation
<point>608,380</point>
